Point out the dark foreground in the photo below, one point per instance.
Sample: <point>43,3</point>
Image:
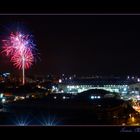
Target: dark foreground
<point>69,112</point>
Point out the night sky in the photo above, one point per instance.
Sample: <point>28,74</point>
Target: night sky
<point>79,44</point>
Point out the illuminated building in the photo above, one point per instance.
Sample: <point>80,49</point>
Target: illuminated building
<point>134,88</point>
<point>118,85</point>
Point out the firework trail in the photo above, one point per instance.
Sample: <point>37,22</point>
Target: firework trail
<point>21,51</point>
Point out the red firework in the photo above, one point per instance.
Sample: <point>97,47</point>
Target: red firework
<point>20,49</point>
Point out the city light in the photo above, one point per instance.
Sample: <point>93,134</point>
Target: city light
<point>133,119</point>
<point>54,97</point>
<point>3,100</point>
<point>60,81</point>
<point>95,97</point>
<point>99,97</point>
<point>92,97</point>
<point>1,95</point>
<point>125,89</point>
<point>64,97</point>
<point>80,88</point>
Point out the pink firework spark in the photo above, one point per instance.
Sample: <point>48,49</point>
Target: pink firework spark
<point>19,48</point>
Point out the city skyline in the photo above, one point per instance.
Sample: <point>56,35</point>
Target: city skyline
<point>79,44</point>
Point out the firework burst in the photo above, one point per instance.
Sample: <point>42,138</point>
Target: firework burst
<point>21,51</point>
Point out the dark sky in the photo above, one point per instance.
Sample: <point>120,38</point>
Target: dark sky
<point>79,44</point>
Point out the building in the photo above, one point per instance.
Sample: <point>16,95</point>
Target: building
<point>113,84</point>
<point>134,88</point>
<point>134,91</point>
